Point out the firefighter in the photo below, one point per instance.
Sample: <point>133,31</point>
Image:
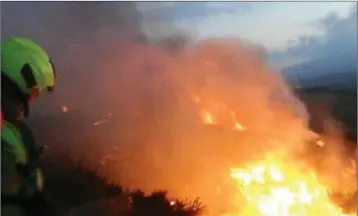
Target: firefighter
<point>26,73</point>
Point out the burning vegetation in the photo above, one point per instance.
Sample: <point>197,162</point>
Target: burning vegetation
<point>210,120</point>
<point>223,127</point>
<point>275,186</point>
<point>207,120</point>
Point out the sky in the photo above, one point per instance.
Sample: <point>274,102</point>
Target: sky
<point>281,27</point>
<point>291,32</point>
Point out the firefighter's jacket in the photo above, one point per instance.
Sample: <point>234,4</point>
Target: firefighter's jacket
<point>21,179</point>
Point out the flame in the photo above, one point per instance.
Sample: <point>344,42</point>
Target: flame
<point>277,186</point>
<point>239,126</point>
<point>207,117</point>
<point>274,187</point>
<point>320,143</point>
<point>232,79</point>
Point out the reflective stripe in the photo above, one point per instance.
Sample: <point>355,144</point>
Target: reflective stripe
<point>19,179</point>
<point>31,184</point>
<point>14,143</point>
<point>39,180</point>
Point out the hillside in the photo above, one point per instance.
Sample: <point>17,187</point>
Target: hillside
<point>341,105</point>
<point>336,71</point>
<point>328,87</point>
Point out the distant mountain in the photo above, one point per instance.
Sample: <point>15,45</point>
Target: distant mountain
<point>328,84</point>
<point>336,72</point>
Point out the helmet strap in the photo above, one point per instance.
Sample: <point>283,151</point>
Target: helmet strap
<point>33,94</point>
<point>14,102</point>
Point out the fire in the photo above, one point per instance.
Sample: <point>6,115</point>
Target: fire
<point>276,187</point>
<point>320,143</point>
<point>207,117</point>
<point>239,126</point>
<point>229,85</point>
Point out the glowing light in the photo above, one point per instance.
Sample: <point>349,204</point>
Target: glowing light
<point>64,109</point>
<point>207,117</point>
<point>239,127</point>
<point>320,143</point>
<point>275,187</point>
<point>278,186</point>
<point>100,122</point>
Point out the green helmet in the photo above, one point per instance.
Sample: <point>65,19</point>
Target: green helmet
<point>27,65</point>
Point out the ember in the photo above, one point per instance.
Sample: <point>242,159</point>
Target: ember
<point>64,109</point>
<point>208,118</point>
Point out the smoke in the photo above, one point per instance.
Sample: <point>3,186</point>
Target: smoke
<point>171,147</point>
<point>155,138</point>
<point>81,39</point>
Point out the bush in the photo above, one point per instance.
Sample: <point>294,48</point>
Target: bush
<point>72,185</point>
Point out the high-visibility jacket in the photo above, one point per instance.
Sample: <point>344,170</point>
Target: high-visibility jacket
<point>21,179</point>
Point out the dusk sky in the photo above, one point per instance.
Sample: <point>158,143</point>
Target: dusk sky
<point>281,27</point>
<point>291,32</point>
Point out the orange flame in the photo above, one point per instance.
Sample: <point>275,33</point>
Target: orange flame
<point>207,117</point>
<point>274,187</point>
<point>277,186</point>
